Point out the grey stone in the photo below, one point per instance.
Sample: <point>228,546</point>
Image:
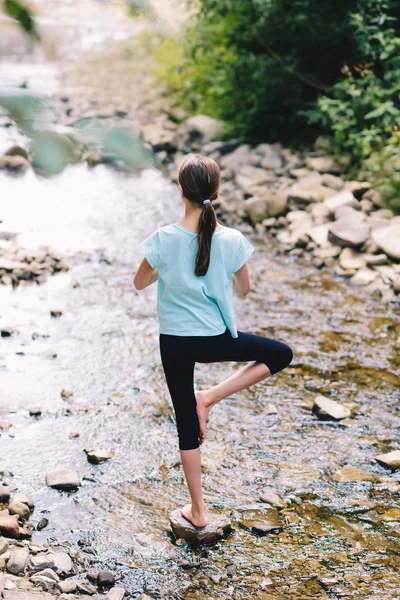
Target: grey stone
<point>309,191</point>
<point>363,277</point>
<point>344,198</point>
<point>324,164</point>
<point>62,478</point>
<point>273,499</point>
<point>20,509</point>
<point>390,459</point>
<point>3,545</point>
<point>327,409</point>
<point>25,499</point>
<point>350,229</point>
<point>332,181</point>
<point>116,593</point>
<point>249,177</point>
<point>69,586</point>
<point>217,527</point>
<point>388,240</point>
<point>202,129</point>
<point>18,561</point>
<point>95,457</point>
<point>375,259</point>
<point>46,583</point>
<point>351,260</point>
<point>60,562</point>
<point>270,204</point>
<point>319,234</point>
<point>105,579</point>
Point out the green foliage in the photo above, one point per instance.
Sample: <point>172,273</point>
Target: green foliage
<point>22,14</point>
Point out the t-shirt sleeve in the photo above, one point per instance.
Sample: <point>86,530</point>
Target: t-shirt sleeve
<point>151,249</point>
<point>243,250</point>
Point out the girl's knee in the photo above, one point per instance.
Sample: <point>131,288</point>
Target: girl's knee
<point>282,358</point>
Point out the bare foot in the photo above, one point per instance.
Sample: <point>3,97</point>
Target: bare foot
<point>197,518</point>
<point>203,408</point>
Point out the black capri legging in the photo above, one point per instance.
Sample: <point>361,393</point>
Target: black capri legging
<point>180,353</point>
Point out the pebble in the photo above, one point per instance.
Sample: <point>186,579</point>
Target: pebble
<point>390,460</point>
<point>56,313</point>
<point>95,457</point>
<point>68,586</point>
<point>66,394</point>
<point>20,509</point>
<point>105,579</point>
<point>273,499</point>
<point>327,409</point>
<point>62,478</point>
<point>35,412</point>
<point>42,524</point>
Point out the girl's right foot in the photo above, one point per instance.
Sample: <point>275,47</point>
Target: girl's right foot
<point>197,517</point>
<point>203,407</point>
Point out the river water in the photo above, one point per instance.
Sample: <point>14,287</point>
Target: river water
<point>340,539</point>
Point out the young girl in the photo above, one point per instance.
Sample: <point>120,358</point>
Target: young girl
<point>198,263</point>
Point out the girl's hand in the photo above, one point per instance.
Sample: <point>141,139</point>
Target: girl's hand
<point>145,275</point>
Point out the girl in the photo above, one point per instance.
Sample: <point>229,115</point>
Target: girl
<point>198,263</point>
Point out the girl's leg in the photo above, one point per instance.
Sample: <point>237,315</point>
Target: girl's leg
<point>179,370</point>
<point>269,356</point>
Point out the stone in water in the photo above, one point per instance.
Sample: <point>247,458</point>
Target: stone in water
<point>217,527</point>
<point>329,410</point>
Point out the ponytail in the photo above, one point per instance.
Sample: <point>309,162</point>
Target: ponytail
<point>200,178</point>
<point>207,225</point>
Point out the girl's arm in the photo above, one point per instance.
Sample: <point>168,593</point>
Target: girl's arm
<point>145,275</point>
<point>241,281</point>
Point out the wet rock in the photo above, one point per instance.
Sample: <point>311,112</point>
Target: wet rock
<point>47,579</point>
<point>116,593</point>
<point>390,460</point>
<point>217,527</point>
<point>62,478</point>
<point>18,561</point>
<point>14,163</point>
<point>344,198</point>
<point>105,579</point>
<point>324,164</point>
<point>3,545</point>
<point>8,331</point>
<point>35,412</point>
<point>262,523</point>
<point>56,313</point>
<point>388,240</point>
<point>42,524</point>
<point>20,509</point>
<point>349,474</point>
<point>95,457</point>
<point>327,409</point>
<point>9,525</point>
<point>202,129</point>
<point>273,499</point>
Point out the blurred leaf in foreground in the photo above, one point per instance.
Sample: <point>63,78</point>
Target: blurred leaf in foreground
<point>21,13</point>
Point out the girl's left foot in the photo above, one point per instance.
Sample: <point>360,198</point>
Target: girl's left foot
<point>198,518</point>
<point>203,407</point>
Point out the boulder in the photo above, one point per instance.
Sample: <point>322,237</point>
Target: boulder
<point>309,191</point>
<point>9,525</point>
<point>388,240</point>
<point>324,164</point>
<point>350,229</point>
<point>329,410</point>
<point>343,198</point>
<point>62,478</point>
<point>217,527</point>
<point>390,459</point>
<point>202,129</point>
<point>18,561</point>
<point>20,509</point>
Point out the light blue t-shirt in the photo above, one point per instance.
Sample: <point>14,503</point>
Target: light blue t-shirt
<point>187,304</point>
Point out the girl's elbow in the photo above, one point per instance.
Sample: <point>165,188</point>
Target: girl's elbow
<point>138,285</point>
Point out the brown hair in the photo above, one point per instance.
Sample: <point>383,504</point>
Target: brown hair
<point>200,177</point>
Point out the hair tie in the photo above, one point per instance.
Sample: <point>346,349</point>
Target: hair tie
<point>206,201</point>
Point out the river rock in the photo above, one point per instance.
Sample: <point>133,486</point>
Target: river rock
<point>29,595</point>
<point>262,522</point>
<point>202,129</point>
<point>344,198</point>
<point>95,457</point>
<point>271,204</point>
<point>3,545</point>
<point>18,561</point>
<point>46,583</point>
<point>319,234</point>
<point>332,181</point>
<point>324,164</point>
<point>249,177</point>
<point>69,586</point>
<point>390,459</point>
<point>363,277</point>
<point>60,562</point>
<point>388,240</point>
<point>217,527</point>
<point>5,494</point>
<point>327,409</point>
<point>105,579</point>
<point>25,499</point>
<point>62,478</point>
<point>271,158</point>
<point>349,474</point>
<point>14,163</point>
<point>9,525</point>
<point>308,190</point>
<point>116,593</point>
<point>351,260</point>
<point>20,509</point>
<point>273,499</point>
<point>350,229</point>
